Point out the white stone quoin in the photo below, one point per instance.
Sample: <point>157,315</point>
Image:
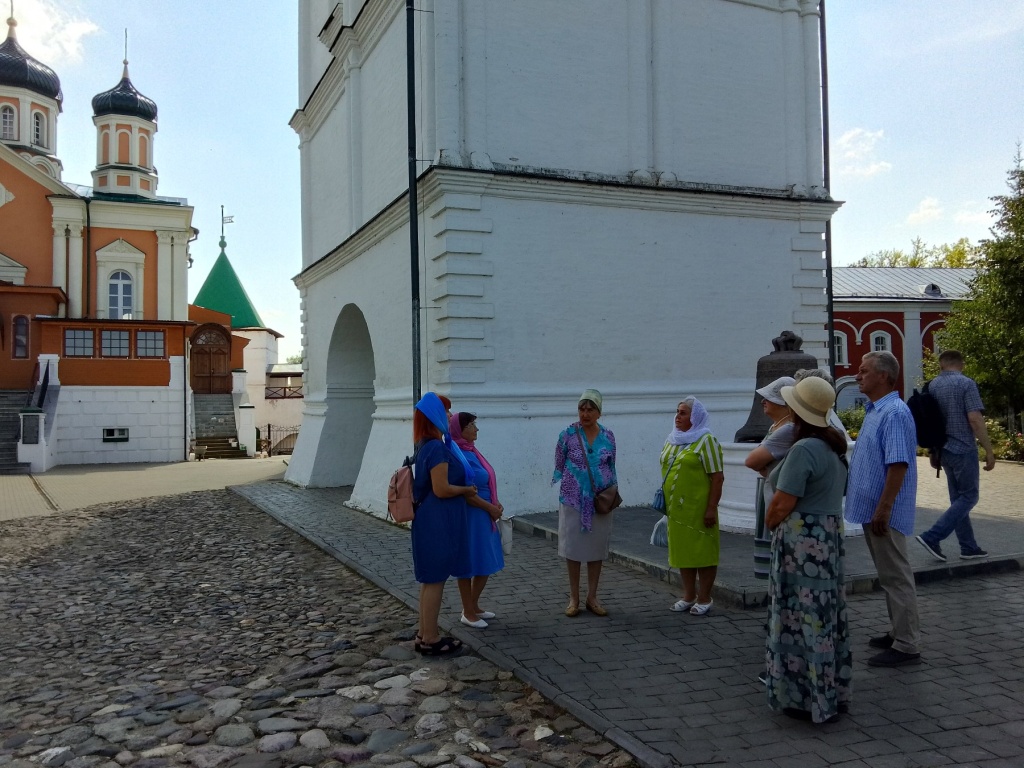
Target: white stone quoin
<point>620,195</point>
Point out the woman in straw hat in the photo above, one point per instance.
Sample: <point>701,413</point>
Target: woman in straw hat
<point>583,535</point>
<point>809,664</point>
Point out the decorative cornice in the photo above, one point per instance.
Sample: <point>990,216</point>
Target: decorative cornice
<point>28,167</point>
<point>437,181</point>
<point>349,48</point>
<point>119,247</point>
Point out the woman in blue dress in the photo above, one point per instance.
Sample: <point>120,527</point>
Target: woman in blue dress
<point>483,537</point>
<point>441,488</point>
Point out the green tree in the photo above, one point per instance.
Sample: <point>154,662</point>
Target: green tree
<point>293,359</point>
<point>962,253</point>
<point>988,327</point>
<point>929,365</point>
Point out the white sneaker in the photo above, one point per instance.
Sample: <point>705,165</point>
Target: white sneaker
<point>478,624</point>
<point>683,605</point>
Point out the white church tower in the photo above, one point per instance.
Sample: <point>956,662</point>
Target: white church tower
<point>620,195</point>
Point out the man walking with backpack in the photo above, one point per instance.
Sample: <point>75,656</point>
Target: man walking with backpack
<point>962,408</point>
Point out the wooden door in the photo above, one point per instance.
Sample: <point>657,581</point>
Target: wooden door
<point>211,361</point>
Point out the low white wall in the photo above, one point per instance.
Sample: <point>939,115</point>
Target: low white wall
<point>154,417</point>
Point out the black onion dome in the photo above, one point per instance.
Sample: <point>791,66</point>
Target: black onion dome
<point>19,70</point>
<point>124,99</point>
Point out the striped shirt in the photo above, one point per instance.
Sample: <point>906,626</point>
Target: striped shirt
<point>957,396</point>
<point>887,437</point>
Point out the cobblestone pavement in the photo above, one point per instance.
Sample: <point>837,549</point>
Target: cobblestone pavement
<point>195,630</point>
<point>676,689</point>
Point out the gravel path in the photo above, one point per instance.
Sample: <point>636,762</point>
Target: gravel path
<point>195,630</point>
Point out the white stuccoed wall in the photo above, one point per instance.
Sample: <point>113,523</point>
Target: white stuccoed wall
<point>154,416</point>
<point>626,196</point>
<point>260,352</point>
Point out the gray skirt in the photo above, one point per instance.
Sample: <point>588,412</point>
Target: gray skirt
<point>583,546</point>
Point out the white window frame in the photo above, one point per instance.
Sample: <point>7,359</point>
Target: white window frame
<point>39,130</point>
<point>121,255</point>
<point>8,123</point>
<point>883,336</point>
<point>841,345</point>
<point>121,278</point>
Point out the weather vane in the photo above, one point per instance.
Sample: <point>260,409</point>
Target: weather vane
<point>223,219</point>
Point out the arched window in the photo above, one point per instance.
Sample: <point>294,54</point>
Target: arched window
<point>119,293</point>
<point>842,350</point>
<point>20,337</point>
<point>881,342</point>
<point>8,123</point>
<point>144,151</point>
<point>39,129</point>
<point>124,149</point>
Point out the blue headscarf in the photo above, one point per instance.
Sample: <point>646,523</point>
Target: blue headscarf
<point>430,405</point>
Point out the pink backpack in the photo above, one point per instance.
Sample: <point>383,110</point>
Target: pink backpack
<point>401,506</point>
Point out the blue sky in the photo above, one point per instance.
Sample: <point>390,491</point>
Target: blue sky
<point>925,100</point>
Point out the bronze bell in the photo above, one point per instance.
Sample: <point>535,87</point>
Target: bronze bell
<point>786,360</point>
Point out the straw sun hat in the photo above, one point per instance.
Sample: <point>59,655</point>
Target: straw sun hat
<point>811,400</point>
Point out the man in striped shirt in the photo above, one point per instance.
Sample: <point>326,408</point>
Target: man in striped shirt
<point>882,496</point>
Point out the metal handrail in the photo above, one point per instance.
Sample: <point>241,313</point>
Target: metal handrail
<point>280,393</point>
<point>43,386</point>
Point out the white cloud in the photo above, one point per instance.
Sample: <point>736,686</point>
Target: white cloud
<point>928,209</point>
<point>969,215</point>
<point>856,152</point>
<point>52,32</point>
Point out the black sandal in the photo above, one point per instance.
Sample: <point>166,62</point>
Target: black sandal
<point>442,647</point>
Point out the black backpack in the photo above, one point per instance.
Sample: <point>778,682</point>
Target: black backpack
<point>928,420</point>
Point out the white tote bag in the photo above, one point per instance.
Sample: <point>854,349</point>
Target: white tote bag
<point>505,526</point>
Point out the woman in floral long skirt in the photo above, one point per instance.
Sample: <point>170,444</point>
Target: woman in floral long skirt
<point>810,667</point>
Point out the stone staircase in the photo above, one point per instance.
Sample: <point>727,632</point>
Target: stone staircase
<point>215,426</point>
<point>11,403</point>
<point>220,448</point>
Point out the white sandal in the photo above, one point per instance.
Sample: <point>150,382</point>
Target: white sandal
<point>683,605</point>
<point>701,609</point>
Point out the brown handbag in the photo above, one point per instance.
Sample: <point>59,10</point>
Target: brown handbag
<point>606,500</point>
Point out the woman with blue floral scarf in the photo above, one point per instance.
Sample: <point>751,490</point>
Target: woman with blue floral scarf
<point>583,535</point>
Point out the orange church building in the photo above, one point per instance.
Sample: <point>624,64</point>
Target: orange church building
<point>95,325</point>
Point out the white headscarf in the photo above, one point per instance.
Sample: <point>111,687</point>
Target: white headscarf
<point>698,424</point>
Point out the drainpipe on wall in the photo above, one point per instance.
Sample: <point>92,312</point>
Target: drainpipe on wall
<point>88,252</point>
<point>184,389</point>
<point>827,177</point>
<point>67,271</point>
<point>414,235</point>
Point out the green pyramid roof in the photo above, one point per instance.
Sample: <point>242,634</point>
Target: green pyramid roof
<point>223,292</point>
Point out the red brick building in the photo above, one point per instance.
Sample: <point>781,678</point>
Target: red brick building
<point>894,309</point>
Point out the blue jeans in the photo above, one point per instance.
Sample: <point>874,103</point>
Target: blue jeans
<point>963,476</point>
